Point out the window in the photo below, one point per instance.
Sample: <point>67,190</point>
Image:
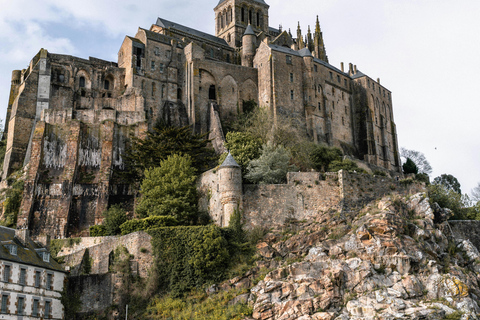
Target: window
<point>368,82</point>
<point>20,305</point>
<point>258,19</point>
<point>346,110</point>
<point>315,67</point>
<point>291,94</point>
<point>48,285</point>
<point>152,66</point>
<point>12,249</point>
<point>82,82</point>
<point>157,51</point>
<point>331,75</point>
<point>168,54</point>
<point>345,82</point>
<point>243,14</point>
<point>319,106</point>
<point>338,78</point>
<point>37,279</point>
<point>333,105</point>
<point>153,89</point>
<point>61,78</point>
<point>35,307</point>
<point>47,309</point>
<point>6,273</point>
<point>211,93</point>
<point>46,255</point>
<point>343,121</point>
<point>161,68</point>
<point>288,59</point>
<point>291,77</point>
<point>23,276</point>
<point>106,85</point>
<point>4,303</point>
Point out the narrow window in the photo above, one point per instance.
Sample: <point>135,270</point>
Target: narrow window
<point>35,308</point>
<point>4,303</point>
<point>106,85</point>
<point>345,82</point>
<point>6,273</point>
<point>338,78</point>
<point>163,91</point>
<point>23,276</point>
<point>343,121</point>
<point>315,67</point>
<point>319,106</point>
<point>258,19</point>
<point>82,82</point>
<point>37,279</point>
<point>153,89</point>
<point>291,77</point>
<point>168,53</point>
<point>49,281</point>
<point>333,105</point>
<point>368,83</point>
<point>289,59</point>
<point>331,75</point>
<point>47,309</point>
<point>250,16</point>
<point>243,14</point>
<point>61,78</point>
<point>346,110</point>
<point>179,93</point>
<point>153,66</point>
<point>161,68</point>
<point>20,305</point>
<point>211,93</point>
<point>291,94</point>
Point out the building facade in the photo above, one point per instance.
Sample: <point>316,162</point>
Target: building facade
<point>30,281</point>
<point>71,119</point>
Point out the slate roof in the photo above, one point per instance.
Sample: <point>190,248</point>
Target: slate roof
<point>359,74</point>
<point>305,52</point>
<point>169,24</point>
<point>26,255</point>
<point>229,162</point>
<point>249,30</point>
<point>259,1</point>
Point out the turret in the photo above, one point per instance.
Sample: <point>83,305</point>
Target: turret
<point>249,40</point>
<point>300,43</point>
<point>230,188</point>
<point>319,50</point>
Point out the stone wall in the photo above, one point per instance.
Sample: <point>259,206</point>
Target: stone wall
<point>96,291</point>
<point>100,248</point>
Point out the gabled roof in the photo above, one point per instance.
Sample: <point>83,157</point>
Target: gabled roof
<point>27,254</point>
<point>172,25</point>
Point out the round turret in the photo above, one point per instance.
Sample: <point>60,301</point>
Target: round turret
<point>249,40</point>
<point>230,188</point>
<point>16,76</point>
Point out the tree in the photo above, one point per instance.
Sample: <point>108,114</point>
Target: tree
<point>419,159</point>
<point>475,193</point>
<point>321,157</point>
<point>243,146</point>
<point>449,182</point>
<point>447,198</point>
<point>271,167</point>
<point>115,216</point>
<point>346,164</point>
<point>170,190</point>
<point>162,142</point>
<point>409,167</point>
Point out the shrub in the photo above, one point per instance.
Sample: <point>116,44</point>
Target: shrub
<point>147,224</point>
<point>115,216</point>
<point>98,231</point>
<point>346,164</point>
<point>321,157</point>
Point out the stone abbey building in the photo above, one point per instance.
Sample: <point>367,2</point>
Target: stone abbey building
<point>70,119</point>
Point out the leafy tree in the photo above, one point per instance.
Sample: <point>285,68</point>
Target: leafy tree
<point>162,142</point>
<point>419,159</point>
<point>447,198</point>
<point>271,167</point>
<point>170,190</point>
<point>321,157</point>
<point>449,182</point>
<point>475,193</point>
<point>243,146</point>
<point>409,167</point>
<point>115,216</point>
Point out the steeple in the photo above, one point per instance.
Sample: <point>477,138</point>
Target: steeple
<point>300,43</point>
<point>310,43</point>
<point>319,46</point>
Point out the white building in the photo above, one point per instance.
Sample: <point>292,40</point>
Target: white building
<point>30,281</point>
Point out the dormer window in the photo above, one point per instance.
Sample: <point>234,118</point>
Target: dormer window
<point>12,249</point>
<point>46,257</point>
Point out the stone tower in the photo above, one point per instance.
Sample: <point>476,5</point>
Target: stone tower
<point>230,188</point>
<point>249,45</point>
<point>232,18</point>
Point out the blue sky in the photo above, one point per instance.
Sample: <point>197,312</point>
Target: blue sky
<point>425,51</point>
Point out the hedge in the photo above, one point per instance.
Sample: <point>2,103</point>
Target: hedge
<point>147,224</point>
<point>98,231</point>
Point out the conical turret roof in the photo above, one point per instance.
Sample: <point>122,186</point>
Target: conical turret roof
<point>229,162</point>
<point>249,30</point>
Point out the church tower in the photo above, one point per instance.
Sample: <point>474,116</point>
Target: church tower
<point>232,18</point>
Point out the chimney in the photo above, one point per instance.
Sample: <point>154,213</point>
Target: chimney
<point>342,67</point>
<point>350,68</point>
<point>22,235</point>
<point>44,240</point>
<point>378,80</point>
<point>355,69</point>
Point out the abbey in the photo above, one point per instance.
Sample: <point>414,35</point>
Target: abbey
<point>71,119</point>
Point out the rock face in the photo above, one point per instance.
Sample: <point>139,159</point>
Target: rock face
<point>388,260</point>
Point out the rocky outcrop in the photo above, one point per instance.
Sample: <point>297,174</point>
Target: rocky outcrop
<point>389,260</point>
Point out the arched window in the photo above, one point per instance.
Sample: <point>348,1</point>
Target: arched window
<point>82,82</point>
<point>258,19</point>
<point>106,85</point>
<point>250,17</point>
<point>211,93</point>
<point>243,14</point>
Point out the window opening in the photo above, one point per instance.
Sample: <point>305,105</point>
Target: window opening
<point>82,82</point>
<point>35,308</point>
<point>4,303</point>
<point>20,305</point>
<point>23,276</point>
<point>6,273</point>
<point>211,93</point>
<point>106,85</point>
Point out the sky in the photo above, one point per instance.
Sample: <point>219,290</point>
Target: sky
<point>427,52</point>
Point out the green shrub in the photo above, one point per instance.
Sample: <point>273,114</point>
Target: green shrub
<point>422,177</point>
<point>409,167</point>
<point>11,206</point>
<point>147,224</point>
<point>98,231</point>
<point>347,165</point>
<point>322,156</point>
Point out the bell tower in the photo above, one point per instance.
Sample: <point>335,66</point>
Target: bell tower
<point>232,18</point>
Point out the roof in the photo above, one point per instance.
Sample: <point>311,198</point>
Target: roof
<point>172,25</point>
<point>358,74</point>
<point>259,1</point>
<point>229,162</point>
<point>305,52</point>
<point>249,30</point>
<point>26,255</point>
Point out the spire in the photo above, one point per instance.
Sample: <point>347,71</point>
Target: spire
<point>300,43</point>
<point>280,28</point>
<point>319,46</point>
<point>290,33</point>
<point>309,41</point>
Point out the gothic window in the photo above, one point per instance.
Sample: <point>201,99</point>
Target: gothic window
<point>250,18</point>
<point>81,82</point>
<point>243,14</point>
<point>106,85</point>
<point>258,19</point>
